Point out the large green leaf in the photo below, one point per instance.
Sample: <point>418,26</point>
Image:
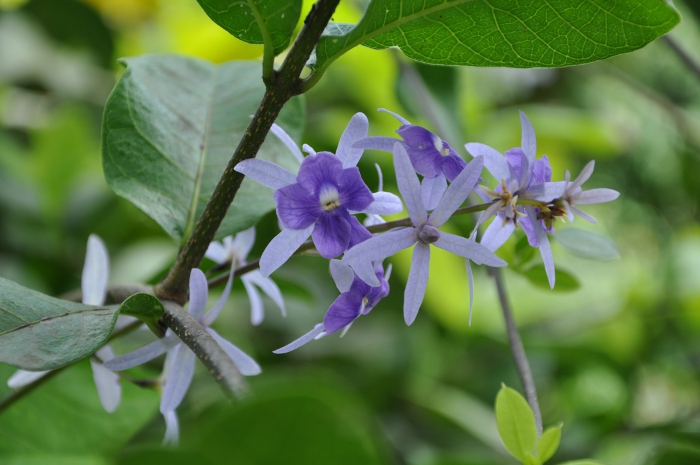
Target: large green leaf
<point>170,127</point>
<point>516,423</point>
<point>250,20</point>
<point>520,34</point>
<point>38,332</point>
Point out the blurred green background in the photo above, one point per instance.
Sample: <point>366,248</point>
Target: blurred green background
<point>617,359</point>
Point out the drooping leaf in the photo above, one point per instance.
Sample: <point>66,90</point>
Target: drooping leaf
<point>146,308</point>
<point>549,443</point>
<point>249,20</point>
<point>516,423</point>
<point>170,127</point>
<point>586,244</point>
<point>565,281</point>
<point>38,332</point>
<point>537,33</point>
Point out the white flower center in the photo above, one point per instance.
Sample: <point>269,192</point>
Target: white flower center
<point>329,198</point>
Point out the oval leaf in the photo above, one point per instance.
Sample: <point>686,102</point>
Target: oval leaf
<point>170,127</point>
<point>250,20</point>
<point>565,281</point>
<point>142,305</point>
<point>549,443</point>
<point>516,423</point>
<point>586,244</point>
<point>38,332</point>
<point>537,33</point>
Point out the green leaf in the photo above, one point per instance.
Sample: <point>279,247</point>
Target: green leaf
<point>146,308</point>
<point>170,127</point>
<point>516,423</point>
<point>38,332</point>
<point>586,244</point>
<point>64,417</point>
<point>564,281</point>
<point>250,20</point>
<point>537,33</point>
<point>549,443</point>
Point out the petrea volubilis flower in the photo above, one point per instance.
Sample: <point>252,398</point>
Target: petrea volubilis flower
<point>432,157</point>
<point>94,286</point>
<point>233,251</point>
<point>575,195</point>
<point>179,361</point>
<point>423,233</point>
<point>522,178</point>
<point>320,200</point>
<point>357,298</point>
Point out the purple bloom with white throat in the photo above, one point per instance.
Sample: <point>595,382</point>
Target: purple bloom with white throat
<point>357,298</point>
<point>424,232</point>
<point>179,361</point>
<point>522,178</point>
<point>431,157</point>
<point>233,251</point>
<point>94,286</point>
<point>320,200</point>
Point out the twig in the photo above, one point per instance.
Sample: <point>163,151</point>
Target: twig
<point>206,349</point>
<point>516,347</point>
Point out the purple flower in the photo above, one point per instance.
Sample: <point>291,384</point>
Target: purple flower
<point>320,200</point>
<point>574,195</point>
<point>522,178</point>
<point>179,361</point>
<point>424,232</point>
<point>432,157</point>
<point>234,251</point>
<point>357,298</point>
<point>94,285</point>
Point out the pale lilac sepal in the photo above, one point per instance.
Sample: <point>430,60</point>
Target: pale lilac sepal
<point>457,193</point>
<point>417,282</point>
<point>376,249</point>
<point>199,290</point>
<point>257,311</point>
<point>180,370</point>
<point>528,145</point>
<point>244,362</point>
<point>143,354</point>
<point>22,378</point>
<point>585,174</point>
<point>401,119</point>
<point>95,272</point>
<point>592,196</point>
<point>385,203</point>
<point>466,248</point>
<point>432,190</point>
<point>172,428</point>
<point>305,339</point>
<point>545,192</point>
<point>109,390</point>
<point>242,243</point>
<point>281,248</point>
<point>342,275</point>
<point>497,233</point>
<point>355,130</point>
<point>216,252</point>
<point>494,162</point>
<point>383,143</point>
<point>269,287</point>
<point>308,149</point>
<point>266,173</point>
<point>544,246</point>
<point>214,312</point>
<point>287,140</point>
<point>583,215</point>
<point>409,186</point>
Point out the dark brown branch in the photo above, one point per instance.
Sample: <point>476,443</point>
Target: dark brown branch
<point>516,347</point>
<point>206,349</point>
<point>285,84</point>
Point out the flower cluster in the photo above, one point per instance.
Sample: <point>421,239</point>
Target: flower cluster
<point>322,199</point>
